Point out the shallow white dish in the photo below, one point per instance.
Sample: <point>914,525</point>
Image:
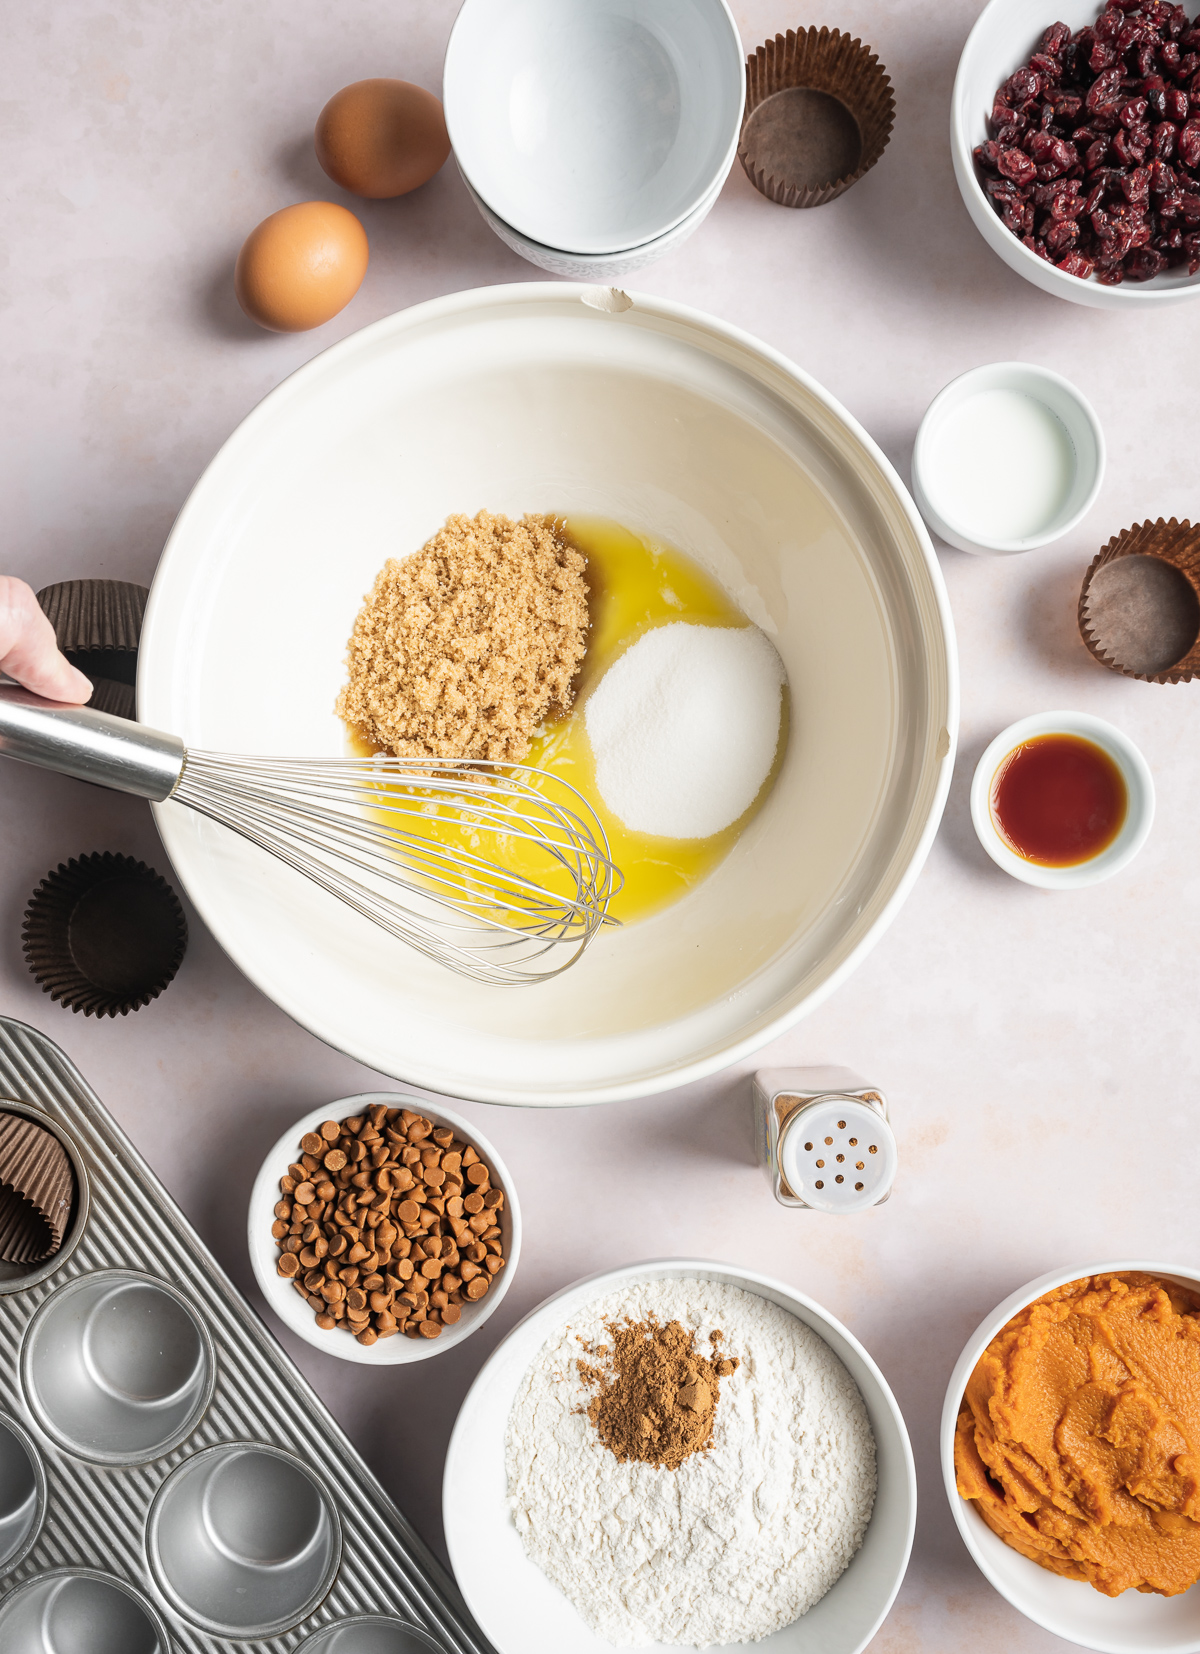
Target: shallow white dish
<point>1002,40</point>
<point>1139,784</point>
<point>594,126</point>
<point>1068,405</point>
<point>287,1302</point>
<point>595,266</point>
<point>1133,1623</point>
<point>521,1612</point>
<point>535,398</point>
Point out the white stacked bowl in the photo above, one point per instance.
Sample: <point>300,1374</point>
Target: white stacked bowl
<point>594,135</point>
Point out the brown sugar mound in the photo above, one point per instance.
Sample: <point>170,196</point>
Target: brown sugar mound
<point>656,1394</point>
<point>463,648</point>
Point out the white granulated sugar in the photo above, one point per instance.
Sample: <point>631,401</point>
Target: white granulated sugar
<point>684,727</point>
<point>739,1540</point>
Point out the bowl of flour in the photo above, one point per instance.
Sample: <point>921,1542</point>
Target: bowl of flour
<point>784,1521</point>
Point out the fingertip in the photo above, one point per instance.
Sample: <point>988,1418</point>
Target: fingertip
<point>81,687</point>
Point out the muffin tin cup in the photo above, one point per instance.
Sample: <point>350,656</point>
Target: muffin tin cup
<point>73,1610</point>
<point>22,1494</point>
<point>37,1191</point>
<point>370,1634</point>
<point>1139,609</point>
<point>819,113</point>
<point>117,1368</point>
<point>243,1540</point>
<point>168,1481</point>
<point>19,1277</point>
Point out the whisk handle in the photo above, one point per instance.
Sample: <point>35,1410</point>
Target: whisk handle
<point>90,745</point>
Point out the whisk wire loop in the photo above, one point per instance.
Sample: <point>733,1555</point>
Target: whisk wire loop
<point>502,873</point>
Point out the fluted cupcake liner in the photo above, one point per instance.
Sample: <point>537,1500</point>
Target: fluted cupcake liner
<point>104,934</point>
<point>1139,609</point>
<point>819,113</point>
<point>98,624</point>
<point>37,1191</point>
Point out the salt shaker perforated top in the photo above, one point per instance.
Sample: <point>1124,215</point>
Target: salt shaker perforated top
<point>822,1137</point>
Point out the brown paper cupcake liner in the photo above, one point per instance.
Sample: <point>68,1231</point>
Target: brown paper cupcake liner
<point>819,113</point>
<point>1139,609</point>
<point>37,1191</point>
<point>98,624</point>
<point>104,934</point>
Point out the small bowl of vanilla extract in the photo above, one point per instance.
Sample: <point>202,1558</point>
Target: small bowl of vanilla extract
<point>1062,800</point>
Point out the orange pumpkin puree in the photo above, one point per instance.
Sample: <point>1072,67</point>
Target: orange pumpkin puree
<point>1079,1434</point>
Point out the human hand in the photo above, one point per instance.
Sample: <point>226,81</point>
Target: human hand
<point>28,650</point>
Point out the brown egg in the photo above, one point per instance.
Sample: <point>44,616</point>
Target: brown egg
<point>381,137</point>
<point>301,266</point>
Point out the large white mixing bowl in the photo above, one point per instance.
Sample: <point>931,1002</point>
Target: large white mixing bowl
<point>552,398</point>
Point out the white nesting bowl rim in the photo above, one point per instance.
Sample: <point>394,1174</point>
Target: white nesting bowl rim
<point>594,126</point>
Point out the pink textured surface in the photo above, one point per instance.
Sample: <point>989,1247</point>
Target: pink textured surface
<point>1037,1049</point>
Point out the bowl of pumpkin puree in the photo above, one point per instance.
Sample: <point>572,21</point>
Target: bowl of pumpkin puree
<point>1071,1454</point>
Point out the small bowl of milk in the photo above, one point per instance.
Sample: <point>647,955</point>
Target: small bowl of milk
<point>1008,457</point>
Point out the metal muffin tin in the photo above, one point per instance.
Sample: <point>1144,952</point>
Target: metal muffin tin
<point>169,1484</point>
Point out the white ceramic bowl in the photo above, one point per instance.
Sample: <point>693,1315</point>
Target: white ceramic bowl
<point>1139,785</point>
<point>535,398</point>
<point>1006,33</point>
<point>1133,1623</point>
<point>521,1612</point>
<point>594,126</point>
<point>599,267</point>
<point>287,1302</point>
<point>1070,407</point>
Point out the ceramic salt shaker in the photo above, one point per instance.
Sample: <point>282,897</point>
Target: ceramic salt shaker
<point>822,1137</point>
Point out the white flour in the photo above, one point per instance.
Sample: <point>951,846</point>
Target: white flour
<point>738,1541</point>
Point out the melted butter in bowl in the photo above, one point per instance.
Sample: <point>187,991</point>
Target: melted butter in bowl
<point>636,586</point>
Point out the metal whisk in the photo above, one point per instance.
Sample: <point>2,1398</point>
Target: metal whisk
<point>500,872</point>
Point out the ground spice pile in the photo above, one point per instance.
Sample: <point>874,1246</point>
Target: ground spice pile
<point>656,1394</point>
<point>463,648</point>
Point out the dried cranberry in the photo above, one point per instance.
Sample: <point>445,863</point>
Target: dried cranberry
<point>1102,56</point>
<point>1109,272</point>
<point>1068,107</point>
<point>1049,68</point>
<point>1105,91</point>
<point>1177,104</point>
<point>1170,54</point>
<point>1076,265</point>
<point>1096,154</point>
<point>1015,164</point>
<point>1055,38</point>
<point>1144,264</point>
<point>1108,24</point>
<point>1136,187</point>
<point>1189,142</point>
<point>1189,208</point>
<point>1163,140</point>
<point>1060,235</point>
<point>1020,88</point>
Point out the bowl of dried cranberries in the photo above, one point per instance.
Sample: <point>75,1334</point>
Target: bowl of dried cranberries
<point>1076,141</point>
